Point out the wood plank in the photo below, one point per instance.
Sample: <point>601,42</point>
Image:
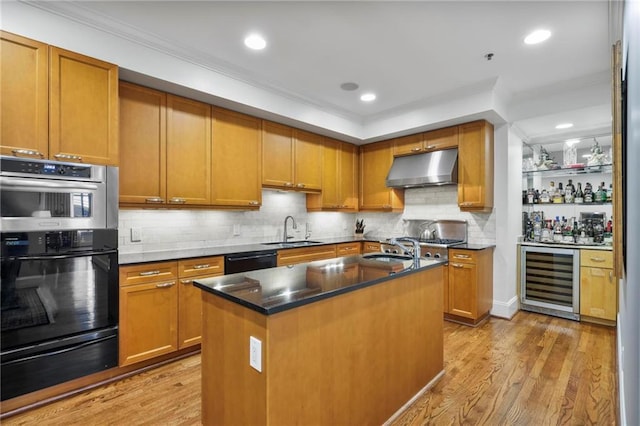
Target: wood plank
<point>489,372</point>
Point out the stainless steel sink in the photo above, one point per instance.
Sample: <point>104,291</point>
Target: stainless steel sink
<point>298,243</point>
<point>387,257</point>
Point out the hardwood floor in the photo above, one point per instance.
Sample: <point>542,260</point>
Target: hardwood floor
<point>532,370</point>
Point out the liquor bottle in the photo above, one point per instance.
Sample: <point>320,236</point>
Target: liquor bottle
<point>610,192</point>
<point>557,230</point>
<point>597,196</point>
<point>558,196</point>
<point>576,231</point>
<point>603,193</point>
<point>530,196</point>
<point>588,193</point>
<point>579,197</point>
<point>544,197</point>
<point>569,191</point>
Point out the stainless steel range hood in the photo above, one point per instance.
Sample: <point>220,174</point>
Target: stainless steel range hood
<point>428,169</point>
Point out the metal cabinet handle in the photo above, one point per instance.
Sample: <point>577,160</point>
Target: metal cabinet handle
<point>149,273</point>
<point>288,184</point>
<point>253,203</point>
<point>165,285</point>
<point>205,265</point>
<point>177,200</point>
<point>32,152</point>
<point>416,149</point>
<point>461,256</point>
<point>68,157</point>
<point>386,206</point>
<point>597,259</point>
<point>456,265</point>
<point>301,185</point>
<point>431,146</point>
<point>154,200</point>
<point>186,281</point>
<point>610,276</point>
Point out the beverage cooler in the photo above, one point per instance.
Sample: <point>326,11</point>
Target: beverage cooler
<point>550,281</point>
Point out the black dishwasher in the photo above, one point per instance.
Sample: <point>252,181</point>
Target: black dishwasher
<point>243,262</point>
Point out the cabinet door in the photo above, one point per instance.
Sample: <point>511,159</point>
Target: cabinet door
<point>371,247</point>
<point>83,109</point>
<point>412,144</point>
<point>277,155</point>
<point>237,159</point>
<point>142,141</point>
<point>463,290</point>
<point>598,293</point>
<point>475,166</point>
<point>441,139</point>
<point>331,174</point>
<point>348,249</point>
<point>188,151</point>
<point>190,311</point>
<point>306,254</point>
<point>375,161</point>
<point>308,161</point>
<point>148,321</point>
<point>348,176</point>
<point>24,105</point>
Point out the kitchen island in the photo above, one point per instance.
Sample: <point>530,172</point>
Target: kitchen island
<point>341,341</point>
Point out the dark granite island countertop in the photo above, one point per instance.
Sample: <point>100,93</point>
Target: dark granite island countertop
<point>312,343</point>
<point>273,290</point>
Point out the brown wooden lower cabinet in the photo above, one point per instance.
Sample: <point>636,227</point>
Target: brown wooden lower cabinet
<point>306,254</point>
<point>470,282</point>
<point>598,287</point>
<point>371,247</point>
<point>160,310</point>
<point>348,249</point>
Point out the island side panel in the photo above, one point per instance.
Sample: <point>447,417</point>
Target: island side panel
<point>355,358</point>
<point>233,393</point>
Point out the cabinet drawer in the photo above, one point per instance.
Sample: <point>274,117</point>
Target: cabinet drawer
<point>347,249</point>
<point>307,254</point>
<point>201,266</point>
<point>596,258</point>
<point>371,247</point>
<point>462,256</point>
<point>147,273</point>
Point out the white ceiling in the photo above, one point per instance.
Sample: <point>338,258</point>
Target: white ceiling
<point>410,54</point>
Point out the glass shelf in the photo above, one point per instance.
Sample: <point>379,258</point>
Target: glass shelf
<point>608,203</point>
<point>570,171</point>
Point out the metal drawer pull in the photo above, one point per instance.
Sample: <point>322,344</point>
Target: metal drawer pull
<point>177,200</point>
<point>253,203</point>
<point>68,157</point>
<point>206,265</point>
<point>462,256</point>
<point>610,276</point>
<point>33,152</point>
<point>149,273</point>
<point>416,149</point>
<point>597,259</point>
<point>456,265</point>
<point>186,281</point>
<point>288,184</point>
<point>154,200</point>
<point>301,185</point>
<point>431,146</point>
<point>165,285</point>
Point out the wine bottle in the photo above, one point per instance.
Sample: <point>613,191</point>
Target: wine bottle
<point>579,197</point>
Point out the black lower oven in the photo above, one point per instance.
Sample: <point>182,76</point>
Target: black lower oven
<point>59,298</point>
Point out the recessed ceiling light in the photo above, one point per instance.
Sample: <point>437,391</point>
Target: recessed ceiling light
<point>564,126</point>
<point>255,42</point>
<point>349,86</point>
<point>368,97</point>
<point>572,142</point>
<point>538,36</point>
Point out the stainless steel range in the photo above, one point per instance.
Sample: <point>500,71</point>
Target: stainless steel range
<point>435,237</point>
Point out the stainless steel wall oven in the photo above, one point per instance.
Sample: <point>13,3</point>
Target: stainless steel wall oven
<point>550,281</point>
<point>59,273</point>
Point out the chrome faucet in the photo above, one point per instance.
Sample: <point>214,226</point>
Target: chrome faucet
<point>285,236</point>
<point>416,248</point>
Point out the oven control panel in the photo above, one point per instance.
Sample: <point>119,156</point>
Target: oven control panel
<point>44,168</point>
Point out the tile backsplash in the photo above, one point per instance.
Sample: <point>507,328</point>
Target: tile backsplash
<point>177,229</point>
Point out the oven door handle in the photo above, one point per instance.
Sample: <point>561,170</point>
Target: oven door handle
<point>63,256</point>
<point>35,184</point>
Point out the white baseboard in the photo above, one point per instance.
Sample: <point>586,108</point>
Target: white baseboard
<point>505,309</point>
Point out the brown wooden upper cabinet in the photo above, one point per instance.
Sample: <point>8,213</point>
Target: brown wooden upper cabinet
<point>291,158</point>
<point>166,155</point>
<point>339,178</point>
<point>425,142</point>
<point>374,195</point>
<point>57,104</point>
<point>237,159</point>
<point>475,166</point>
